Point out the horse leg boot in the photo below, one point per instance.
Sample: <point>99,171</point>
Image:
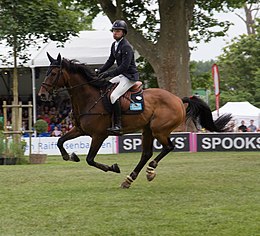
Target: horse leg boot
<point>116,125</point>
<point>150,171</point>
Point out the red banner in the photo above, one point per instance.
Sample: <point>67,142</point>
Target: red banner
<point>215,75</point>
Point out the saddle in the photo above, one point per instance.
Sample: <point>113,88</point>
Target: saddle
<point>131,102</point>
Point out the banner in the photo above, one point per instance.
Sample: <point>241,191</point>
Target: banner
<point>80,145</point>
<point>211,142</point>
<point>133,143</point>
<point>216,79</point>
<point>184,142</point>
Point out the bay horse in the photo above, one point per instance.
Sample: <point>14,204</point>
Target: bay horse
<point>163,112</point>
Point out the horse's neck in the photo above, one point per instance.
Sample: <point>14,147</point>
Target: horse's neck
<point>83,96</point>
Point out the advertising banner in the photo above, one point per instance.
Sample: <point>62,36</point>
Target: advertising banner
<point>228,142</point>
<point>80,145</point>
<point>184,142</point>
<point>133,143</point>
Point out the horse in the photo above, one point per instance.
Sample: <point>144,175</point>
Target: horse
<point>163,113</point>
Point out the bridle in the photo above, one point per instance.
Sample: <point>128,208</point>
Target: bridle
<point>53,87</point>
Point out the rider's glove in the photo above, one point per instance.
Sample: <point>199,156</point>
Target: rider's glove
<point>97,71</point>
<point>103,75</point>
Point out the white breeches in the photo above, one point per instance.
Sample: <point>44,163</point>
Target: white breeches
<point>123,85</point>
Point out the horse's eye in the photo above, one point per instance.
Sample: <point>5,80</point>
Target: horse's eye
<point>53,73</point>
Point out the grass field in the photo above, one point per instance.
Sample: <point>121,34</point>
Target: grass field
<point>193,194</point>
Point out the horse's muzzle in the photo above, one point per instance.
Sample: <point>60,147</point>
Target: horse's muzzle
<point>45,97</point>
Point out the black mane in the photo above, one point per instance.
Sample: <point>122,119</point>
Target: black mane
<point>75,67</point>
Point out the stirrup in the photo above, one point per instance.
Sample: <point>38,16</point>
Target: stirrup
<point>116,129</point>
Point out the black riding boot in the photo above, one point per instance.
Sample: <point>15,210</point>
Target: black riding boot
<point>116,125</point>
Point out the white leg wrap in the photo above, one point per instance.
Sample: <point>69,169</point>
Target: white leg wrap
<point>129,179</point>
<point>150,170</point>
<point>150,173</point>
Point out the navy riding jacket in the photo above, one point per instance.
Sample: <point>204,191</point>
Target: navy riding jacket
<point>124,57</point>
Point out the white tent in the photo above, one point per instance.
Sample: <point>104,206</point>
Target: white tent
<point>240,111</point>
<point>91,47</point>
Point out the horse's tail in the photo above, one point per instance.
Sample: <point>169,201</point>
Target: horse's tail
<point>200,113</point>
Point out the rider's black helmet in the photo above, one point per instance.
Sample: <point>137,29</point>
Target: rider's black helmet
<point>120,24</point>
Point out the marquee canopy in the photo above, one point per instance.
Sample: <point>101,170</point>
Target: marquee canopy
<point>240,111</point>
<point>90,47</point>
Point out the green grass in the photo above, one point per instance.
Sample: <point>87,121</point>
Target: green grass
<point>193,194</point>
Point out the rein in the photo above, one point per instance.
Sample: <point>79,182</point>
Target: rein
<point>52,87</point>
<point>54,91</point>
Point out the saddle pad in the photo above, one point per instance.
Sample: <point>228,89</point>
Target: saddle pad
<point>136,105</point>
<point>131,103</point>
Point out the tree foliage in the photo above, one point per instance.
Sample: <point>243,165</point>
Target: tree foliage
<point>160,32</point>
<point>239,69</point>
<point>201,76</point>
<point>24,21</point>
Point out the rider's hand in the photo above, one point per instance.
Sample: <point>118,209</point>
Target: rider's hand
<point>103,75</point>
<point>97,71</point>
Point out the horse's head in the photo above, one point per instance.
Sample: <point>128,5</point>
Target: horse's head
<point>53,79</point>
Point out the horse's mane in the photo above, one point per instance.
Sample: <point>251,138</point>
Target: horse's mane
<point>75,67</point>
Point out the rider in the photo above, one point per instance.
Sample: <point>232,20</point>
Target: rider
<point>125,74</point>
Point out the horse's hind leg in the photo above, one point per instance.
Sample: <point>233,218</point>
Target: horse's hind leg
<point>150,171</point>
<point>147,143</point>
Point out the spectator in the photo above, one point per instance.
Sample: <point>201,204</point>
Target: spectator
<point>251,127</point>
<point>24,126</point>
<point>242,127</point>
<point>63,130</point>
<point>46,118</point>
<point>56,132</point>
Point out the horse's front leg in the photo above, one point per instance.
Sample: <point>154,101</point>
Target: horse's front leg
<point>73,133</point>
<point>95,146</point>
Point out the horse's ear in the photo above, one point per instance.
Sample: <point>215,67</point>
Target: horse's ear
<point>59,58</point>
<point>50,58</point>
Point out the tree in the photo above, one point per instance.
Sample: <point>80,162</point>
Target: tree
<point>147,75</point>
<point>239,69</point>
<point>201,76</point>
<point>160,32</point>
<point>22,22</point>
<point>251,13</point>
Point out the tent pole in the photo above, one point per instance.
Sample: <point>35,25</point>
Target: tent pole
<point>34,94</point>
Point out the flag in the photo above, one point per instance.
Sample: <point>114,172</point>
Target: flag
<point>215,75</point>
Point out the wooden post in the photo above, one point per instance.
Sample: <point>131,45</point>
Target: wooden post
<point>5,123</point>
<point>18,132</point>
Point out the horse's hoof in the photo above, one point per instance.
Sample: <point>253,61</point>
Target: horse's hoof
<point>66,157</point>
<point>150,176</point>
<point>150,173</point>
<point>74,157</point>
<point>115,168</point>
<point>125,184</point>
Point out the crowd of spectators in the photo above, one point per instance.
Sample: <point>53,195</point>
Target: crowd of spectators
<point>58,120</point>
<point>249,128</point>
